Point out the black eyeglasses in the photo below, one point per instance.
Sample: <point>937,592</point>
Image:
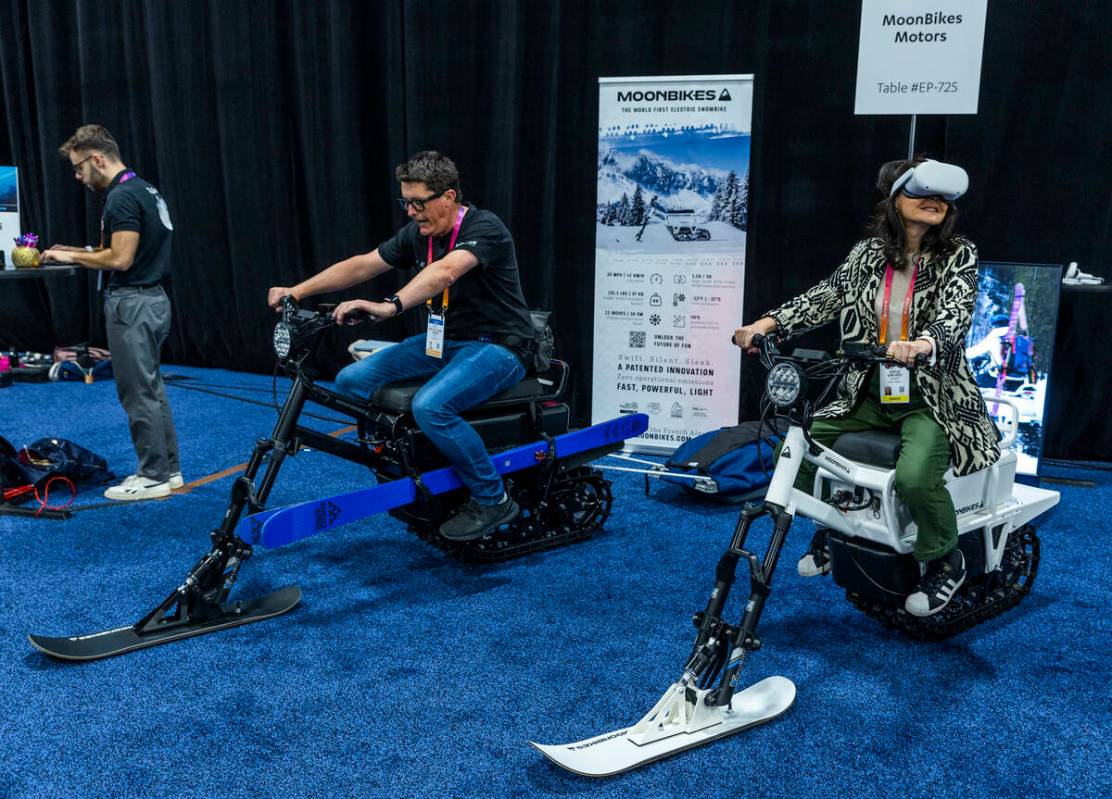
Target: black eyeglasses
<point>77,166</point>
<point>418,203</point>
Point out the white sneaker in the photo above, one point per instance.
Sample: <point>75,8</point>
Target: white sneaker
<point>136,487</point>
<point>176,481</point>
<point>816,560</point>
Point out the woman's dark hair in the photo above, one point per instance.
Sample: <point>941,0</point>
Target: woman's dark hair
<point>887,224</point>
<point>434,169</point>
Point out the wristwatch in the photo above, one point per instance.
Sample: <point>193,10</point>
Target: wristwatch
<point>397,303</point>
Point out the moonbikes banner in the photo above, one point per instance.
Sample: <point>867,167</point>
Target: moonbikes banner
<point>671,218</point>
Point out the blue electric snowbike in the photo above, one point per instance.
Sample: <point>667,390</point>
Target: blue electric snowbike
<point>526,428</point>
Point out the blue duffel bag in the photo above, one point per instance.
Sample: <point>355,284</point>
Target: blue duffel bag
<point>737,460</point>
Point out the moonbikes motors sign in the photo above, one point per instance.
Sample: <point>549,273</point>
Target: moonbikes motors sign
<point>918,58</point>
<point>671,218</point>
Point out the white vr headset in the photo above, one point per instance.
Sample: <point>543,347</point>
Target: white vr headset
<point>932,178</point>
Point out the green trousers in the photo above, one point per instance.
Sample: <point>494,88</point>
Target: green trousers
<point>924,458</point>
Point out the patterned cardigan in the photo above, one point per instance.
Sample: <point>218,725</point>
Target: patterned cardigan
<point>942,308</point>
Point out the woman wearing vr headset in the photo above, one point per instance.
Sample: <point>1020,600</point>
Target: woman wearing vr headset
<point>911,286</point>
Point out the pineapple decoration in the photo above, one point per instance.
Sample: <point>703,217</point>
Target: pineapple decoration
<point>26,254</point>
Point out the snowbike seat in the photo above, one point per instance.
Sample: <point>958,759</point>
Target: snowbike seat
<point>549,385</point>
<point>872,447</point>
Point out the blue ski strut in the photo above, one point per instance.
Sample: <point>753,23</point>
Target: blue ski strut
<point>273,528</point>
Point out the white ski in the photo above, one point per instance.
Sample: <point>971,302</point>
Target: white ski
<point>679,721</point>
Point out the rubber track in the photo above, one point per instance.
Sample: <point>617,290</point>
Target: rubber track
<point>578,504</point>
<point>974,603</point>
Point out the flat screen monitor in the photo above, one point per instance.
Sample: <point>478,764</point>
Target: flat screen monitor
<point>1010,345</point>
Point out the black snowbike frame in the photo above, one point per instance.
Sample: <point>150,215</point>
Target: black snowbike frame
<point>201,596</point>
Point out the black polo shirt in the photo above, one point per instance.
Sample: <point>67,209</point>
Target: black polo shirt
<point>487,302</point>
<point>136,205</point>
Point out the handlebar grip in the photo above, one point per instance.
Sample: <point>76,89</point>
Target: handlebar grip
<point>357,315</point>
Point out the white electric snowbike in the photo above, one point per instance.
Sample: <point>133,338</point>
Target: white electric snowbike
<point>870,536</point>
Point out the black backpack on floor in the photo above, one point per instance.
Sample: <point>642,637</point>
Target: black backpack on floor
<point>47,458</point>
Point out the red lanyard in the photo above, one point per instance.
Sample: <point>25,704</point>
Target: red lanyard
<point>451,244</point>
<point>888,299</point>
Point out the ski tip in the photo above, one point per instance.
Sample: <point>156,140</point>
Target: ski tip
<point>56,648</point>
<point>557,754</point>
<point>34,640</point>
<point>544,748</point>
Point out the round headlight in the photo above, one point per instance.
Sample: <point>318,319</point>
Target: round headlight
<point>784,384</point>
<point>282,339</point>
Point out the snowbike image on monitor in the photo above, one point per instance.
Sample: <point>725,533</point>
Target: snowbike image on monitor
<point>526,428</point>
<point>870,536</point>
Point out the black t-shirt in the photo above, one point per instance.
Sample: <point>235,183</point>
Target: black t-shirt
<point>487,302</point>
<point>136,205</point>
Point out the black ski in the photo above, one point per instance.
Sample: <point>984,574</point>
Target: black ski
<point>127,639</point>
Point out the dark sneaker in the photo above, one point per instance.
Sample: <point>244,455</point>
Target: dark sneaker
<point>475,520</point>
<point>816,560</point>
<point>938,586</point>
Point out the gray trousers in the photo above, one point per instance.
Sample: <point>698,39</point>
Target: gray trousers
<point>138,321</point>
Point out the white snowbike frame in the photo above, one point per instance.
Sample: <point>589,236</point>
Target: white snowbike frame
<point>692,712</point>
<point>984,500</point>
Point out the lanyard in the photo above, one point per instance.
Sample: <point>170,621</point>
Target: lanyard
<point>888,299</point>
<point>451,244</point>
<point>124,178</point>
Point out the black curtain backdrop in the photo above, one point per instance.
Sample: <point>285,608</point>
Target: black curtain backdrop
<point>272,129</point>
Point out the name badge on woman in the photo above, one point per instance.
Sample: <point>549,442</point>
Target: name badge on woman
<point>895,384</point>
<point>434,338</point>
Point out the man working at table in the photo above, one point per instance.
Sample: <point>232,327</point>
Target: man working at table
<point>135,257</point>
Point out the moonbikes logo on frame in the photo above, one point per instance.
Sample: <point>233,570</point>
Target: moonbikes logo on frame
<point>836,464</point>
<point>674,96</point>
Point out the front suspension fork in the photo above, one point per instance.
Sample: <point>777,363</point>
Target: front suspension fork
<point>742,639</point>
<point>207,585</point>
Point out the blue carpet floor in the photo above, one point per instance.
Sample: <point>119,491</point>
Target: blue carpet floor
<point>405,674</point>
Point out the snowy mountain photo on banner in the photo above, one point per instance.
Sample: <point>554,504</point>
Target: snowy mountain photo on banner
<point>673,189</point>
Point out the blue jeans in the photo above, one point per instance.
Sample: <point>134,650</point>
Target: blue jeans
<point>470,373</point>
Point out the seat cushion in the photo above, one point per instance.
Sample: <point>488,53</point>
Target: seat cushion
<point>398,397</point>
<point>873,447</point>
